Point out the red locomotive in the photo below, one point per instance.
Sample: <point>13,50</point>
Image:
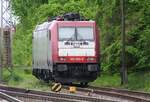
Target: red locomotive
<point>66,50</point>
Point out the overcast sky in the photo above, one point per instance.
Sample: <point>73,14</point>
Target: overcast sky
<point>0,12</point>
<point>6,16</point>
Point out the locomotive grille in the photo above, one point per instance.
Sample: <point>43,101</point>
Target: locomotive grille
<point>76,69</point>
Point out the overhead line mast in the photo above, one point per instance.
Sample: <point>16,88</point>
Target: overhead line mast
<point>6,21</point>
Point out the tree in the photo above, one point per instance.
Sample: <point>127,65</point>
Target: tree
<point>107,15</point>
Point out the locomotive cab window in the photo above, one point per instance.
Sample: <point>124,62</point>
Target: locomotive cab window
<point>76,33</point>
<point>85,33</point>
<point>66,33</point>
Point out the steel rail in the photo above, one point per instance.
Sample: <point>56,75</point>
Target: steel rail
<point>118,93</point>
<point>38,97</point>
<point>8,97</point>
<point>36,94</point>
<point>124,91</point>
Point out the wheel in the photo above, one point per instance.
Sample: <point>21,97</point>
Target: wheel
<point>47,76</point>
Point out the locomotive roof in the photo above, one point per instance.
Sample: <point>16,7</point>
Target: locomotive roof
<point>43,26</point>
<point>46,25</point>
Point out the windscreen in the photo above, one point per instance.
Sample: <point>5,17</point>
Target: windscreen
<point>76,33</point>
<point>85,33</point>
<point>66,33</point>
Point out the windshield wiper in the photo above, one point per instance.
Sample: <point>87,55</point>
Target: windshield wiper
<point>72,37</point>
<point>81,39</point>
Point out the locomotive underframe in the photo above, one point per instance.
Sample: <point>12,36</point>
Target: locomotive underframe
<point>68,73</point>
<point>76,72</point>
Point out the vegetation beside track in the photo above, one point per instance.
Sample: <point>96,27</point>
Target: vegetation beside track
<point>137,81</point>
<point>24,79</point>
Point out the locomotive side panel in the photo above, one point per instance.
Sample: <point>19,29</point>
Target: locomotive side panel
<point>42,51</point>
<point>39,51</point>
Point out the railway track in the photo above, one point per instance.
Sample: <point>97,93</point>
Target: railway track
<point>41,96</point>
<point>95,94</point>
<point>138,94</point>
<point>128,95</point>
<point>9,98</point>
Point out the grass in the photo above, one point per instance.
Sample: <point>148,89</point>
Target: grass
<point>106,80</point>
<point>139,81</point>
<point>24,79</point>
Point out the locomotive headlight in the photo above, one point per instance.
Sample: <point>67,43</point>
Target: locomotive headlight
<point>92,67</point>
<point>91,59</point>
<point>62,59</point>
